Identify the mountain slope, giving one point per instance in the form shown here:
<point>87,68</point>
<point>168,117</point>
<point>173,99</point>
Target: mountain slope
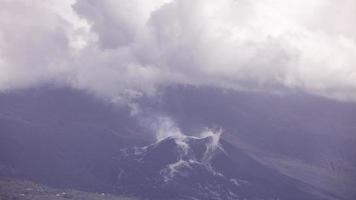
<point>63,137</point>
<point>201,168</point>
<point>306,137</point>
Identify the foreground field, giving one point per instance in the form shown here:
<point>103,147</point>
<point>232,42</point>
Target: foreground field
<point>27,190</point>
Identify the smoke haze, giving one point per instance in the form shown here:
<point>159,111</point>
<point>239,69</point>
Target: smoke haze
<point>123,49</point>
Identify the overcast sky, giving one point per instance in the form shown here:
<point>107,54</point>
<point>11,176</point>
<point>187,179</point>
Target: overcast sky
<point>121,49</point>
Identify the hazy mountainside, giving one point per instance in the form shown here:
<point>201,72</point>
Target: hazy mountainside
<point>68,138</point>
<point>63,137</point>
<point>201,168</point>
<point>309,138</point>
<point>27,190</point>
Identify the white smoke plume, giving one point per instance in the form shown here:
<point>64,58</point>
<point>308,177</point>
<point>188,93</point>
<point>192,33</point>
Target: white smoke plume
<point>123,49</point>
<point>165,127</point>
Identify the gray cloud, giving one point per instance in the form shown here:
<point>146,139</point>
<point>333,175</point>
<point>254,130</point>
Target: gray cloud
<point>123,48</point>
<point>33,43</point>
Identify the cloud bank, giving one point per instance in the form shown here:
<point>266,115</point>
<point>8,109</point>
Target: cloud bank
<point>123,49</point>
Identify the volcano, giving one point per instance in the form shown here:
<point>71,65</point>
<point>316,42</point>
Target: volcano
<point>188,167</point>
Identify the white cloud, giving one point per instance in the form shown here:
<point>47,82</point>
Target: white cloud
<point>124,48</point>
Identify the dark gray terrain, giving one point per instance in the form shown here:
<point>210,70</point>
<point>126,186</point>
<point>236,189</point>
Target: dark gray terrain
<point>309,138</point>
<point>62,137</point>
<point>295,146</point>
<point>196,168</point>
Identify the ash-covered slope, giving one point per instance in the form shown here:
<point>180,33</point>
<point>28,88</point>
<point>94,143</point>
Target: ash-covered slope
<point>201,168</point>
<point>63,137</point>
<point>305,137</point>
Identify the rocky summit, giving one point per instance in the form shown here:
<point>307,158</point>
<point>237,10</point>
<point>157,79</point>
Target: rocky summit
<point>201,168</point>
